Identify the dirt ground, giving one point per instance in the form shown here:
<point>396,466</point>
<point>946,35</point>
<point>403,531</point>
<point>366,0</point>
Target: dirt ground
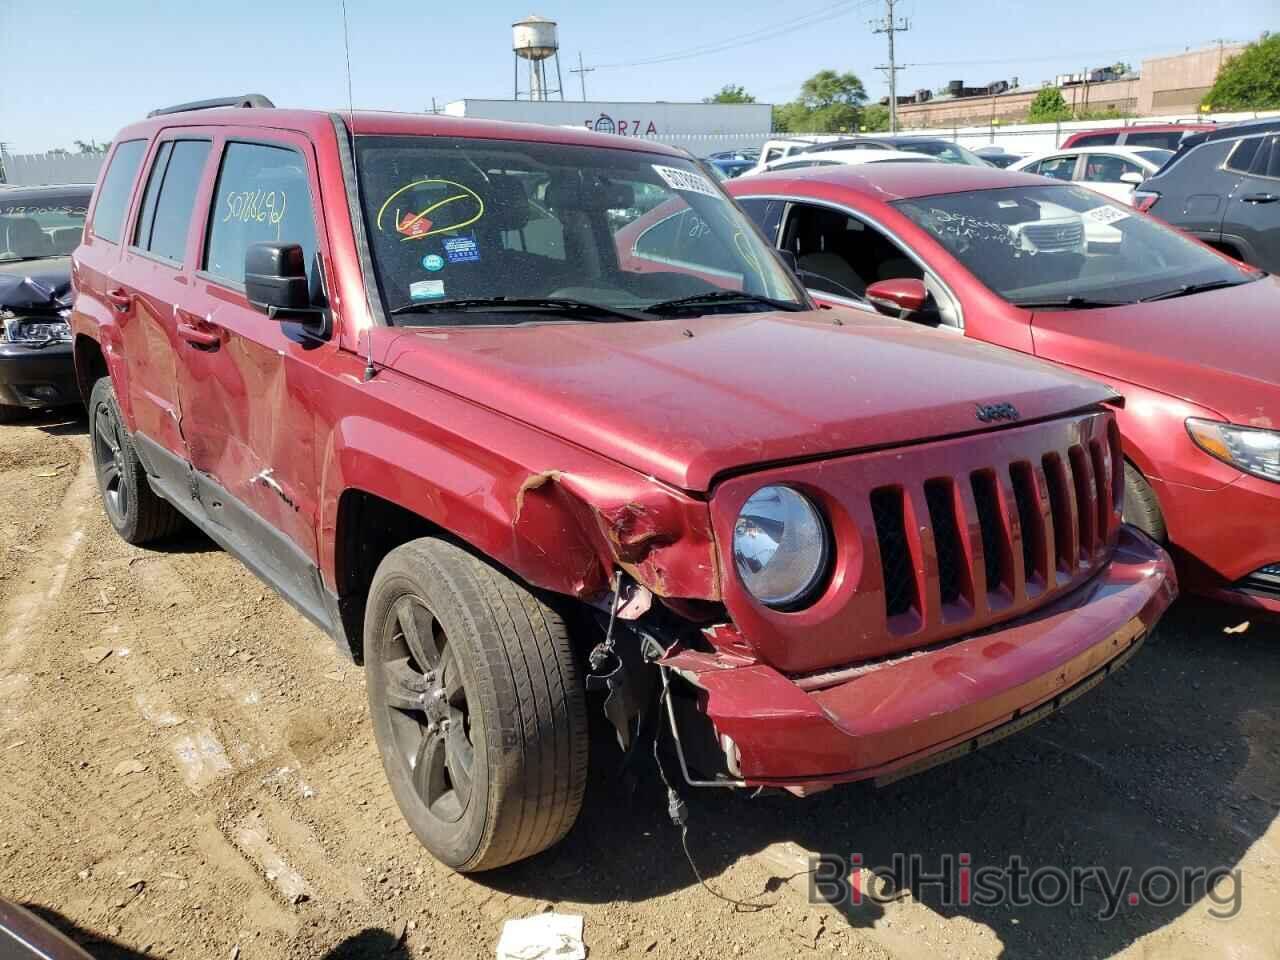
<point>187,770</point>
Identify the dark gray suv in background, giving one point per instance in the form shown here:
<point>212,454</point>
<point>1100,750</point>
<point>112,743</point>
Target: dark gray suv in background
<point>1223,186</point>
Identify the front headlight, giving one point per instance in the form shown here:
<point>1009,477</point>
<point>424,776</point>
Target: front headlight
<point>29,331</point>
<point>1250,449</point>
<point>780,546</point>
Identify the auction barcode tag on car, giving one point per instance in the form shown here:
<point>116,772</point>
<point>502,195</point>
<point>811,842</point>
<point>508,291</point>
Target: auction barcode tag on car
<point>1106,214</point>
<point>687,180</point>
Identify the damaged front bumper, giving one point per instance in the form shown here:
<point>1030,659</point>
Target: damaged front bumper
<point>37,376</point>
<point>894,717</point>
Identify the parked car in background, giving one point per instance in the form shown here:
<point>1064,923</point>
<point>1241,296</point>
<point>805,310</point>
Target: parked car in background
<point>1114,171</point>
<point>998,156</point>
<point>435,393</point>
<point>936,147</point>
<point>826,158</point>
<point>1187,335</point>
<point>39,227</point>
<point>1164,135</point>
<point>1223,186</point>
<point>731,167</point>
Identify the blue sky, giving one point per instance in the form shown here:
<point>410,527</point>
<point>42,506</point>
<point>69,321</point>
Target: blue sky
<point>71,69</point>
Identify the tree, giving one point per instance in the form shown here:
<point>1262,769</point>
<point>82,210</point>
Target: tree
<point>829,102</point>
<point>875,118</point>
<point>730,93</point>
<point>1048,107</point>
<point>1250,80</point>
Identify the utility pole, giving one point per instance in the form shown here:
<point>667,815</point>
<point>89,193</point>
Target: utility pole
<point>891,25</point>
<point>582,74</point>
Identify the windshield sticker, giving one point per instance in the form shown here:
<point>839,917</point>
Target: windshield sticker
<point>426,290</point>
<point>414,212</point>
<point>433,262</point>
<point>461,250</point>
<point>1106,214</point>
<point>686,180</point>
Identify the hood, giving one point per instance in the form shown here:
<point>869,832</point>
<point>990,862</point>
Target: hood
<point>35,284</point>
<point>1215,349</point>
<point>743,390</point>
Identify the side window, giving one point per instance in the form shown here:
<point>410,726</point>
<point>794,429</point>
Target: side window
<point>773,153</point>
<point>117,187</point>
<point>1059,168</point>
<point>171,195</point>
<point>1097,140</point>
<point>1104,168</point>
<point>262,196</point>
<point>1267,162</point>
<point>1241,158</point>
<point>766,213</point>
<point>1167,140</point>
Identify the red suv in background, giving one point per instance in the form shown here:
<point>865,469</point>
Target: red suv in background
<point>1187,335</point>
<point>1167,136</point>
<point>396,364</point>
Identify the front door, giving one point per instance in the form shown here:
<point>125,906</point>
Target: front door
<point>248,383</point>
<point>1253,213</point>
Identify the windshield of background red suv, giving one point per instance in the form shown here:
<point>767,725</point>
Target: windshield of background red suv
<point>464,220</point>
<point>35,228</point>
<point>1068,247</point>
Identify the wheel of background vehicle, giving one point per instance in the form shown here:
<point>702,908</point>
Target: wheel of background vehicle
<point>133,508</point>
<point>477,706</point>
<point>1141,508</point>
<point>10,414</point>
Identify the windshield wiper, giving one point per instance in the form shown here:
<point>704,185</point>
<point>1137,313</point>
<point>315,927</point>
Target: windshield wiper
<point>1069,303</point>
<point>544,304</point>
<point>1189,288</point>
<point>38,256</point>
<point>721,296</point>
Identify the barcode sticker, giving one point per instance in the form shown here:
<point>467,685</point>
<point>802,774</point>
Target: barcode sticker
<point>685,180</point>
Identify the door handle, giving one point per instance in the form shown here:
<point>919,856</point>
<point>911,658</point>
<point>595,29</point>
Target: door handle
<point>120,299</point>
<point>1260,198</point>
<point>197,331</point>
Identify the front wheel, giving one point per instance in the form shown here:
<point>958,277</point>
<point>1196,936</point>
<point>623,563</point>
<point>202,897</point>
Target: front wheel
<point>1141,508</point>
<point>477,706</point>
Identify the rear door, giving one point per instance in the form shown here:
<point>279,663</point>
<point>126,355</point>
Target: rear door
<point>1252,221</point>
<point>152,277</point>
<point>248,383</point>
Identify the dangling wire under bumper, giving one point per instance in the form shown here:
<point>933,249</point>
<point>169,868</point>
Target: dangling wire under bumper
<point>675,736</point>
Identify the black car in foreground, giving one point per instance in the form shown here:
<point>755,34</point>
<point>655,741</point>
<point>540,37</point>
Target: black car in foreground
<point>1223,186</point>
<point>39,228</point>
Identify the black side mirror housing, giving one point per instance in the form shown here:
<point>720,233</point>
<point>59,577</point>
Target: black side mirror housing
<point>275,280</point>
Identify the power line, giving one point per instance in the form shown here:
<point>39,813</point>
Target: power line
<point>889,25</point>
<point>752,36</point>
<point>1045,59</point>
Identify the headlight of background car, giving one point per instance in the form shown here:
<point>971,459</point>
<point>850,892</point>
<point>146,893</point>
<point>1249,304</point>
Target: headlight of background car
<point>1245,448</point>
<point>32,331</point>
<point>780,546</point>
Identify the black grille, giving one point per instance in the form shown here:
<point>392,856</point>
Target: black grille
<point>1265,581</point>
<point>1024,493</point>
<point>940,497</point>
<point>1060,507</point>
<point>887,510</point>
<point>988,505</point>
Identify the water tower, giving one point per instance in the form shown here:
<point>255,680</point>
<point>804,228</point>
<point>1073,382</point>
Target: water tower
<point>534,39</point>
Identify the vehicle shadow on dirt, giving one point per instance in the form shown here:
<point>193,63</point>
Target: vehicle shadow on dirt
<point>366,945</point>
<point>1170,763</point>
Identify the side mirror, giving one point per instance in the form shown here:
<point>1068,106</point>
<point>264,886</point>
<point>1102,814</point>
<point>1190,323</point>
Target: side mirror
<point>275,280</point>
<point>1131,177</point>
<point>900,298</point>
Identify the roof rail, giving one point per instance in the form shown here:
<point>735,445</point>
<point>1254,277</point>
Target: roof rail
<point>245,100</point>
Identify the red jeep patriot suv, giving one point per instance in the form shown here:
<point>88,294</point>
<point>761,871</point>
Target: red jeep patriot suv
<point>416,374</point>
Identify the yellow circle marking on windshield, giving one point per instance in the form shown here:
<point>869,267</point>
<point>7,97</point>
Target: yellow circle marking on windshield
<point>467,192</point>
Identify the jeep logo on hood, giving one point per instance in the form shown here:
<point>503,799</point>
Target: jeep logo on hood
<point>991,412</point>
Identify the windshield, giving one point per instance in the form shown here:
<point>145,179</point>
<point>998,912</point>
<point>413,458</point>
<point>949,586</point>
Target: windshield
<point>32,228</point>
<point>1038,244</point>
<point>468,220</point>
<point>946,152</point>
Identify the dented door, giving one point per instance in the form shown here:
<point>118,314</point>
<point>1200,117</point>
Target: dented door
<point>248,383</point>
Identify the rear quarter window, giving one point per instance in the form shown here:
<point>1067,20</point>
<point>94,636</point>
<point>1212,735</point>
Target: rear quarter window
<point>117,187</point>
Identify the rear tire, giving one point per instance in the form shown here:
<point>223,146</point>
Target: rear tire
<point>1141,508</point>
<point>477,706</point>
<point>134,509</point>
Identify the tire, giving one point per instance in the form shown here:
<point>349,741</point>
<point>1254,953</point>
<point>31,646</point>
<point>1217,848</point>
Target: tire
<point>134,509</point>
<point>481,718</point>
<point>1141,508</point>
<point>11,414</point>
